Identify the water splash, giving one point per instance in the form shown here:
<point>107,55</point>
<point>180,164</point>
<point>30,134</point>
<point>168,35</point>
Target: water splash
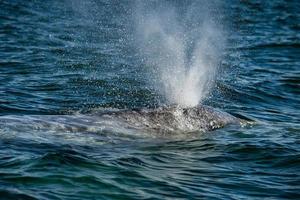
<point>181,45</point>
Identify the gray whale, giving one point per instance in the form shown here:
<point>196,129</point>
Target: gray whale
<point>162,119</point>
<point>177,118</point>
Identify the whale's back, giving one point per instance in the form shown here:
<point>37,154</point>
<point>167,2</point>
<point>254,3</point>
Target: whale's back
<point>176,118</point>
<point>159,120</point>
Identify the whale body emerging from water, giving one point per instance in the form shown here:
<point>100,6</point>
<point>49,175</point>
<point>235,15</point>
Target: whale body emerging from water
<point>176,118</point>
<point>163,119</point>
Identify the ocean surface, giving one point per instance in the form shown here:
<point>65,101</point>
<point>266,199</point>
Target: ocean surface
<point>69,58</point>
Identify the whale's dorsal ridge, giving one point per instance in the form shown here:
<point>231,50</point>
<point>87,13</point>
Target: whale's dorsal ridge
<point>179,118</point>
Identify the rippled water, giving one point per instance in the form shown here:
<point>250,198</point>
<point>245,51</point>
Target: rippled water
<point>75,57</point>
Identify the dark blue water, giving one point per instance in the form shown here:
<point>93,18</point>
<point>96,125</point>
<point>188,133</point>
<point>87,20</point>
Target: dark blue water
<point>73,57</point>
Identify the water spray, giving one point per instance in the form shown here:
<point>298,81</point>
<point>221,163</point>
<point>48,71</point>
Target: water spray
<point>181,46</point>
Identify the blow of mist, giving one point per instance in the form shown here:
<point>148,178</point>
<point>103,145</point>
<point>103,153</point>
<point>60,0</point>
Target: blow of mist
<point>181,47</point>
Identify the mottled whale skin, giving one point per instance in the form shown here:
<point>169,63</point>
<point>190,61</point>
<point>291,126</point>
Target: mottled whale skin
<point>162,119</point>
<point>177,118</point>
